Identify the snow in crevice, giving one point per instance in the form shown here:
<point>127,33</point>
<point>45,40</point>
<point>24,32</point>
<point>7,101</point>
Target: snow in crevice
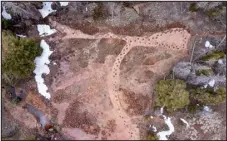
<point>44,30</point>
<point>41,67</point>
<point>47,9</point>
<point>161,110</point>
<point>64,3</point>
<point>22,36</point>
<point>205,86</point>
<point>6,15</point>
<point>208,45</point>
<point>211,82</point>
<point>163,134</point>
<point>220,61</point>
<point>154,129</point>
<point>206,109</point>
<point>184,121</point>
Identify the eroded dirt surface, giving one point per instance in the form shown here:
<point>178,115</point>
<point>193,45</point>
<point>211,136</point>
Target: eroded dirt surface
<point>102,83</point>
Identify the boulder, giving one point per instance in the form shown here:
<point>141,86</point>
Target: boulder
<point>25,10</point>
<point>182,70</point>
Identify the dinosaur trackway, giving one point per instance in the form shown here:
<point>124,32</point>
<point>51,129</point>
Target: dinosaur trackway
<point>172,40</point>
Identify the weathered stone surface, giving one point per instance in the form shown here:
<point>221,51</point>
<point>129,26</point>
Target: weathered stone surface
<point>182,70</point>
<point>25,10</point>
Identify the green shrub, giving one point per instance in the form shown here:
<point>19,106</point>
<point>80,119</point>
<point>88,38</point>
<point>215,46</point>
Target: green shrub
<point>214,12</point>
<point>98,12</point>
<point>214,56</point>
<point>193,7</point>
<point>152,137</point>
<point>171,94</point>
<point>18,56</point>
<point>5,23</point>
<point>192,108</point>
<point>204,72</point>
<point>147,117</point>
<point>207,96</point>
<point>31,137</point>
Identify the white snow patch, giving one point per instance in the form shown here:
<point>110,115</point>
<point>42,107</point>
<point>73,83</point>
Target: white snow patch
<point>6,15</point>
<point>207,109</point>
<point>184,121</point>
<point>54,63</point>
<point>151,117</point>
<point>47,9</point>
<point>164,116</point>
<point>205,86</point>
<point>208,45</point>
<point>22,36</point>
<point>220,61</point>
<point>44,30</point>
<point>162,135</point>
<point>154,128</point>
<point>161,110</point>
<point>42,68</point>
<point>64,3</point>
<point>211,83</point>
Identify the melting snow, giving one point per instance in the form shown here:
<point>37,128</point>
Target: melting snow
<point>22,36</point>
<point>220,61</point>
<point>6,15</point>
<point>207,109</point>
<point>42,68</point>
<point>64,3</point>
<point>184,121</point>
<point>47,9</point>
<point>161,110</point>
<point>44,30</point>
<point>154,128</point>
<point>208,45</point>
<point>211,83</point>
<point>205,86</point>
<point>162,135</point>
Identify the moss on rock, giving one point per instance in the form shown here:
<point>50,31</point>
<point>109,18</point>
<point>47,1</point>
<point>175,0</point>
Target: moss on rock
<point>193,7</point>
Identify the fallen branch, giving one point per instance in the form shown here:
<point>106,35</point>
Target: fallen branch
<point>222,23</point>
<point>193,48</point>
<point>221,42</point>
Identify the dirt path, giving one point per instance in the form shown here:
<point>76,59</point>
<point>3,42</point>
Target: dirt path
<point>171,40</point>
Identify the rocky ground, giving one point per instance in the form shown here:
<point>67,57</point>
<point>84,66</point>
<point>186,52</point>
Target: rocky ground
<point>106,59</point>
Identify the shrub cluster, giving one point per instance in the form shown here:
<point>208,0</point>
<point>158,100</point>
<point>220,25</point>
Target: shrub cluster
<point>18,56</point>
<point>171,94</point>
